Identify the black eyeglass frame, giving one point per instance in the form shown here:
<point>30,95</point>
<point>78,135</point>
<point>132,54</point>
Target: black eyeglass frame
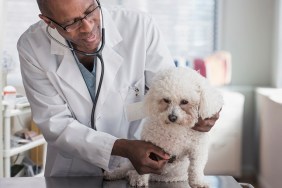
<point>80,20</point>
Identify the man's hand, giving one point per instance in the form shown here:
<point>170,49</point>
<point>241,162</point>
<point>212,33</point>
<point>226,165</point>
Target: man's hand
<point>144,156</point>
<point>205,125</point>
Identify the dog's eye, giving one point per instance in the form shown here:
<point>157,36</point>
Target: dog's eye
<point>166,100</point>
<point>183,102</point>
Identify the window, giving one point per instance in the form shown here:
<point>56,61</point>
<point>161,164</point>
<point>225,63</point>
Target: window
<point>188,26</point>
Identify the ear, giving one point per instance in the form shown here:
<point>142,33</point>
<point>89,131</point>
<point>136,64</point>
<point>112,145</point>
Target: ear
<point>47,21</point>
<point>211,101</point>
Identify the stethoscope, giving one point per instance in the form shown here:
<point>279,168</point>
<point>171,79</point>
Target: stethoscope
<point>98,54</point>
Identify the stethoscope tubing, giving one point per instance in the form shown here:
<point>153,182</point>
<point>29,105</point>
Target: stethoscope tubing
<point>99,55</point>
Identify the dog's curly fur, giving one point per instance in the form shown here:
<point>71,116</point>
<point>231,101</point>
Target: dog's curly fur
<point>175,101</point>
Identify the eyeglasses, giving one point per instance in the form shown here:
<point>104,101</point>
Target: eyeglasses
<point>76,24</point>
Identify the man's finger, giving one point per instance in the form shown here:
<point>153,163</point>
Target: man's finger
<point>156,165</point>
<point>159,153</point>
<point>204,127</point>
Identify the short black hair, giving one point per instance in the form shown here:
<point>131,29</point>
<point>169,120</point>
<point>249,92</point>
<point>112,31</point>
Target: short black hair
<point>44,8</point>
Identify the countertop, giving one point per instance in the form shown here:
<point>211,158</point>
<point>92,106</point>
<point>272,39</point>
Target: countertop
<point>98,182</point>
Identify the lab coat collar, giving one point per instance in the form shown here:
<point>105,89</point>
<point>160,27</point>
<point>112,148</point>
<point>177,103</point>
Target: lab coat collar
<point>68,66</point>
<point>57,48</point>
<point>113,36</point>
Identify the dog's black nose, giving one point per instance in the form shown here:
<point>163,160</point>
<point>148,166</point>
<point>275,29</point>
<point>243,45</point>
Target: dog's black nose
<point>172,117</point>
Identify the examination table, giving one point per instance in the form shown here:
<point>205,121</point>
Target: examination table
<point>98,182</point>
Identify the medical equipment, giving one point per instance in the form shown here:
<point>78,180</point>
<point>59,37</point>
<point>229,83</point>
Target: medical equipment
<point>9,98</point>
<point>98,54</point>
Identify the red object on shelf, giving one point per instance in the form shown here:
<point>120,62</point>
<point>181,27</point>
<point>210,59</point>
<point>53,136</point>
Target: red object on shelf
<point>199,65</point>
<point>216,68</point>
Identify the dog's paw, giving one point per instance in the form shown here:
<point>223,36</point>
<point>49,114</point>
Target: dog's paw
<point>136,180</point>
<point>199,184</point>
<point>114,175</point>
<point>108,175</point>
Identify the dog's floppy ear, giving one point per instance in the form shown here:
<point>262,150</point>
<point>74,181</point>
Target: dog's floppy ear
<point>211,101</point>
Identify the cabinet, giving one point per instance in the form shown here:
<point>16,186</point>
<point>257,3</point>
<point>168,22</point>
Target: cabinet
<point>226,137</point>
<point>269,110</point>
<point>9,151</point>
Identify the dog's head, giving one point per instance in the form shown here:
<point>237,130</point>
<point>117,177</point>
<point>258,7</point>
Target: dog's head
<point>180,96</point>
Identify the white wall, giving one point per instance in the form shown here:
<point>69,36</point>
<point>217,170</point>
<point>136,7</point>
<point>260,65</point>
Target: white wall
<point>247,29</point>
<point>277,67</point>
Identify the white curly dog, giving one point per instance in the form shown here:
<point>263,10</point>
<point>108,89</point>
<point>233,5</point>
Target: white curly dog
<point>175,101</point>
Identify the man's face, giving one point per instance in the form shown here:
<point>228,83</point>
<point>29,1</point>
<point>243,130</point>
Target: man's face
<point>88,36</point>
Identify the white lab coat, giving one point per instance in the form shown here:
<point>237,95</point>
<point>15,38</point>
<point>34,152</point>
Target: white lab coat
<point>61,104</point>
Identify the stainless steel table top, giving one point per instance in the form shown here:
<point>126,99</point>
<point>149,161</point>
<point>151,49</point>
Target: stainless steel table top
<point>98,182</point>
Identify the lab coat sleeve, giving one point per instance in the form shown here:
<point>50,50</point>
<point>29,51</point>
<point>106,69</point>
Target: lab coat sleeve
<point>54,118</point>
<point>158,56</point>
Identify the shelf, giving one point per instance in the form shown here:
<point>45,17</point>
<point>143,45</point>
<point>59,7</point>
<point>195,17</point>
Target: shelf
<point>15,112</point>
<point>25,147</point>
<point>7,151</point>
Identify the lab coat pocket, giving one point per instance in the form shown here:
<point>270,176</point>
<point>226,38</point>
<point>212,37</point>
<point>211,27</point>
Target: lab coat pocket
<point>134,92</point>
<point>133,97</point>
<point>61,166</point>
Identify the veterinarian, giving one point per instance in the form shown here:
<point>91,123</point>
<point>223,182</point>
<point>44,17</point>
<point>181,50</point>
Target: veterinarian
<point>61,69</point>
